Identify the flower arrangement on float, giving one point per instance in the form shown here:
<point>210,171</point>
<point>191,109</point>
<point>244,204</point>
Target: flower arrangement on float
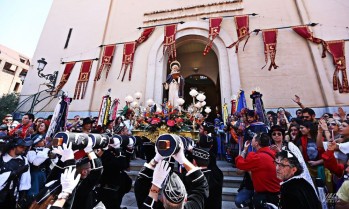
<point>154,119</point>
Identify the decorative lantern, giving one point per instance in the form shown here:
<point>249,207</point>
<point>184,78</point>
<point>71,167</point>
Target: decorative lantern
<point>198,105</point>
<point>150,102</point>
<point>208,110</point>
<point>135,104</point>
<point>138,95</point>
<point>180,102</point>
<point>201,97</point>
<point>193,92</point>
<point>128,99</point>
<point>203,103</point>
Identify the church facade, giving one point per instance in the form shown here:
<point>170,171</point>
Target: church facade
<point>75,31</point>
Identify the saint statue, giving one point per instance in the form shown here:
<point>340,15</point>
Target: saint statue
<point>174,84</point>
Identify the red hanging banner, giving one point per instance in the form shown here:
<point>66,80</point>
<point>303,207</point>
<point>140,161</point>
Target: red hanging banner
<point>170,42</point>
<point>336,49</point>
<point>242,30</point>
<point>66,74</point>
<point>305,32</point>
<point>214,29</point>
<point>81,85</point>
<point>145,35</point>
<point>127,59</point>
<point>107,58</point>
<point>270,40</point>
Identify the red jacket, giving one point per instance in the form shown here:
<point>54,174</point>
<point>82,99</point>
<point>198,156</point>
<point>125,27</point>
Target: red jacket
<point>23,132</point>
<point>330,162</point>
<point>262,168</point>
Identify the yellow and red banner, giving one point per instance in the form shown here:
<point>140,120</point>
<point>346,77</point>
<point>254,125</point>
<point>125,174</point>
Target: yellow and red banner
<point>336,49</point>
<point>84,76</point>
<point>66,74</point>
<point>214,29</point>
<point>170,41</point>
<point>242,30</point>
<point>127,58</point>
<point>270,40</point>
<point>107,58</point>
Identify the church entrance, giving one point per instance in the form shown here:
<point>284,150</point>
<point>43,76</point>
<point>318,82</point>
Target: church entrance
<point>199,71</point>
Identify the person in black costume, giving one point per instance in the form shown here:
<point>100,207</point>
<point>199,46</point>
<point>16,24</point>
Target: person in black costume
<point>201,158</point>
<point>114,183</point>
<point>295,191</point>
<point>14,174</point>
<point>156,174</point>
<point>207,142</point>
<point>90,169</point>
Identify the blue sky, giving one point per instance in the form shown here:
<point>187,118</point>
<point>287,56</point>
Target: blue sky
<point>21,23</point>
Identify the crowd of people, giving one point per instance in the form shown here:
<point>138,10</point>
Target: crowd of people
<point>287,162</point>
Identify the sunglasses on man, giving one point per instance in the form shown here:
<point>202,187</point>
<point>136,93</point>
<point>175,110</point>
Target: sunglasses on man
<point>276,134</point>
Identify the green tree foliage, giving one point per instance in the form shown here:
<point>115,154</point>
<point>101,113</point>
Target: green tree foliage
<point>8,103</point>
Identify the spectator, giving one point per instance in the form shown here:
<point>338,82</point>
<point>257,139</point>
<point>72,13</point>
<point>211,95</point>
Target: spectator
<point>261,165</point>
<point>3,130</point>
<point>254,126</point>
<point>308,114</point>
<point>278,135</point>
<point>37,123</point>
<point>75,126</point>
<point>293,134</point>
<point>343,193</point>
<point>299,113</point>
<point>309,149</point>
<point>25,128</point>
<point>87,125</point>
<point>295,192</point>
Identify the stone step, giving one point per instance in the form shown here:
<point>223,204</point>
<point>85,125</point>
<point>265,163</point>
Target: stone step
<point>129,201</point>
<point>229,194</point>
<point>232,181</point>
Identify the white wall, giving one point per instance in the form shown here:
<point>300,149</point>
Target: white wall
<point>301,70</point>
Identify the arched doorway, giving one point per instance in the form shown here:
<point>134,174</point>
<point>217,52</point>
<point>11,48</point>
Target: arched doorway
<point>157,66</point>
<point>199,71</point>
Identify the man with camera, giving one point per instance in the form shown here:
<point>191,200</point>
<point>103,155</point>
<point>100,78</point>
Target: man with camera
<point>156,175</point>
<point>263,172</point>
<point>14,174</point>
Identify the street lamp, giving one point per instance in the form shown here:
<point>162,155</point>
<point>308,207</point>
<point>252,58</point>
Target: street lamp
<point>22,77</point>
<point>50,77</point>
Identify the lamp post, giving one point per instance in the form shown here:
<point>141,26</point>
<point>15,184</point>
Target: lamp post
<point>50,77</point>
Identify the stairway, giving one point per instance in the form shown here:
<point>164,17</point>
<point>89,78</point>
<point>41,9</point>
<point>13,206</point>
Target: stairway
<point>230,185</point>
